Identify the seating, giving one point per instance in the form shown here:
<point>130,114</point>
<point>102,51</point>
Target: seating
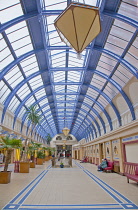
<point>85,160</point>
<point>110,166</point>
<point>133,177</point>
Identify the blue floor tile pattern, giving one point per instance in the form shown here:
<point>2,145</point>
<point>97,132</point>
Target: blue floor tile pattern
<point>122,201</point>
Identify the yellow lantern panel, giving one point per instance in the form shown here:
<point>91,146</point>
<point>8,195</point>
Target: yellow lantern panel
<point>78,25</point>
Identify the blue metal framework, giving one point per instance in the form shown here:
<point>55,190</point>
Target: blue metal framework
<point>39,69</point>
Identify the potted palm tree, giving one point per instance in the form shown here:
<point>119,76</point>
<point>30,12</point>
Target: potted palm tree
<point>53,149</point>
<point>48,138</point>
<point>9,144</point>
<point>33,147</point>
<point>47,153</point>
<point>34,118</point>
<point>40,157</point>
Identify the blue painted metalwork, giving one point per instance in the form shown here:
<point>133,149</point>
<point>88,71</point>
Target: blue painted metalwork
<point>120,17</point>
<point>35,74</point>
<point>41,44</point>
<point>11,95</point>
<point>98,127</point>
<point>80,115</point>
<point>22,83</point>
<point>57,12</point>
<point>132,69</point>
<point>18,60</point>
<point>129,66</point>
<point>82,126</point>
<point>96,89</point>
<point>21,104</point>
<point>15,57</point>
<point>17,20</point>
<point>120,90</point>
<point>91,130</point>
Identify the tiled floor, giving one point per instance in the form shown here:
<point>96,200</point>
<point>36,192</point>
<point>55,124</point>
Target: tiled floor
<point>79,187</point>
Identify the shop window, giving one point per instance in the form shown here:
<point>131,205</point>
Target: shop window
<point>69,138</point>
<point>58,138</point>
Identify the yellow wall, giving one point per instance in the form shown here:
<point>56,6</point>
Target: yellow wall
<point>112,146</point>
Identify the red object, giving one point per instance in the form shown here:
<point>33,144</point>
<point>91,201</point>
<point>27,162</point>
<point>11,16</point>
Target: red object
<point>136,171</point>
<point>85,160</point>
<point>110,166</point>
<point>16,166</point>
<point>132,177</point>
<point>131,171</point>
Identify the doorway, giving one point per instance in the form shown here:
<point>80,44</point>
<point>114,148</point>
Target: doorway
<point>75,154</point>
<point>101,152</point>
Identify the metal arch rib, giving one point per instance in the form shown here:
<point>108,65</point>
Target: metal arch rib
<point>27,97</point>
<point>132,69</point>
<point>120,90</point>
<point>96,89</point>
<point>120,17</point>
<point>83,129</point>
<point>19,107</point>
<point>30,15</point>
<point>98,127</point>
<point>29,78</point>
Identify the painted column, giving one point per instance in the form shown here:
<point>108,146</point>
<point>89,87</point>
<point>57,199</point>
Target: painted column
<point>110,149</point>
<point>104,150</point>
<point>120,152</point>
<point>81,153</point>
<point>94,154</point>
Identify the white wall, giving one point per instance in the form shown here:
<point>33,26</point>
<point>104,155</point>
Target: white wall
<point>132,152</point>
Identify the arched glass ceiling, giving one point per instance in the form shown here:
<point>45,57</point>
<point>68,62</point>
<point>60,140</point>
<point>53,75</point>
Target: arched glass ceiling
<point>37,68</point>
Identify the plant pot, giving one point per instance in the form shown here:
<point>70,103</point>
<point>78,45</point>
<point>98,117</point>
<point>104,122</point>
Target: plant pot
<point>39,161</point>
<point>61,166</point>
<point>5,177</point>
<point>32,164</point>
<point>46,158</point>
<point>24,167</point>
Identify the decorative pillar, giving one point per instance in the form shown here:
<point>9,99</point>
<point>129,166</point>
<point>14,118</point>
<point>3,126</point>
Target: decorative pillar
<point>104,150</point>
<point>121,156</point>
<point>81,153</point>
<point>110,149</point>
<point>94,154</point>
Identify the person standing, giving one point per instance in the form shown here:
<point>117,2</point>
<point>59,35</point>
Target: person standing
<point>59,156</point>
<point>1,157</point>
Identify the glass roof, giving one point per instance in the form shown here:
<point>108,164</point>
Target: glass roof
<point>38,68</point>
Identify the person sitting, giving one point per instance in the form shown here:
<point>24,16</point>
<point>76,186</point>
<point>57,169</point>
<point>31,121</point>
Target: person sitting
<point>102,165</point>
<point>84,160</point>
<point>59,156</point>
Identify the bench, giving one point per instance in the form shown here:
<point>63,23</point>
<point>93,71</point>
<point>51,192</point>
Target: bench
<point>110,166</point>
<point>131,171</point>
<point>85,160</point>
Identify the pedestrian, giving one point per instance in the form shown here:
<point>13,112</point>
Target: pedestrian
<point>1,157</point>
<point>59,156</point>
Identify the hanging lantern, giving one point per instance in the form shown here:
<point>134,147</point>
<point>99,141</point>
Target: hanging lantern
<point>78,25</point>
<point>65,131</point>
